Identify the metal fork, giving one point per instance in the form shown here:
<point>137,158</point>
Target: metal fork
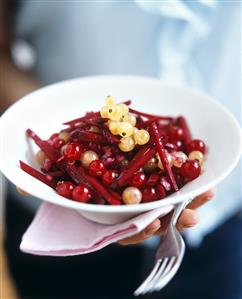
<point>168,256</point>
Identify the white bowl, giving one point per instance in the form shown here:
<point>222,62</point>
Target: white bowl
<point>46,109</point>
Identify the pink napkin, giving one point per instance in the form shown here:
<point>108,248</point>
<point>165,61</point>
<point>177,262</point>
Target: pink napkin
<point>58,231</point>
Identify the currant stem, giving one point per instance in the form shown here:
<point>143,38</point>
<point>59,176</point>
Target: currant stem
<point>148,115</point>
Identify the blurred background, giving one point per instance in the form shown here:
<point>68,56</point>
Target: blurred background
<point>193,43</point>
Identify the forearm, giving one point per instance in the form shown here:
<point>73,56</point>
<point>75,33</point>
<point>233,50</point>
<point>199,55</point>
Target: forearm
<point>14,82</point>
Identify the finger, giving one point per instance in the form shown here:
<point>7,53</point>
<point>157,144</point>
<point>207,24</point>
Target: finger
<point>22,192</point>
<point>188,218</point>
<point>142,236</point>
<point>202,199</point>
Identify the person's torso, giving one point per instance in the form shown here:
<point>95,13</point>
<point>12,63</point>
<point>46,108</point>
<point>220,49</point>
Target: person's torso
<point>84,38</point>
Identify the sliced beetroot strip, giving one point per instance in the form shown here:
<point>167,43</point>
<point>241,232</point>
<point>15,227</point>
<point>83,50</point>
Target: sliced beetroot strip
<point>153,179</point>
<point>77,177</point>
<point>141,152</point>
<point>128,102</point>
<point>89,116</point>
<point>181,121</point>
<point>146,123</point>
<point>105,137</point>
<point>36,174</point>
<point>96,121</point>
<point>116,195</point>
<point>161,151</point>
<point>148,115</point>
<point>163,130</point>
<point>144,155</point>
<point>80,176</point>
<point>56,173</point>
<point>68,130</point>
<point>99,188</point>
<point>74,173</point>
<point>50,152</point>
<point>110,137</point>
<point>85,136</point>
<point>139,122</point>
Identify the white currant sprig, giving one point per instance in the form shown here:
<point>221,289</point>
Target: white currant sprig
<point>121,122</point>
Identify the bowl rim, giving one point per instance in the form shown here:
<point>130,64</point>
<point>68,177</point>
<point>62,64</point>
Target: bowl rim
<point>170,199</point>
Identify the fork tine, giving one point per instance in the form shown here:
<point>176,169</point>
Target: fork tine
<point>166,271</point>
<point>149,282</point>
<point>168,257</point>
<point>140,289</point>
<point>166,277</point>
<point>163,265</point>
<point>169,266</point>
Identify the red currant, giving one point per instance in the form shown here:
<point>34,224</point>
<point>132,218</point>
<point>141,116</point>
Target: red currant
<point>191,169</point>
<point>196,145</point>
<point>178,145</point>
<point>138,180</point>
<point>72,152</point>
<point>174,145</point>
<point>96,168</point>
<point>153,179</point>
<point>65,189</point>
<point>160,191</point>
<point>176,133</point>
<point>58,143</point>
<point>149,194</point>
<point>81,194</point>
<point>109,177</point>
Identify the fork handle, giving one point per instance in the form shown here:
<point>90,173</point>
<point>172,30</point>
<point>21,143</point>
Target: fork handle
<point>178,210</point>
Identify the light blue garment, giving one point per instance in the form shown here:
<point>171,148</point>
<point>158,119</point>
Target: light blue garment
<point>194,43</point>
